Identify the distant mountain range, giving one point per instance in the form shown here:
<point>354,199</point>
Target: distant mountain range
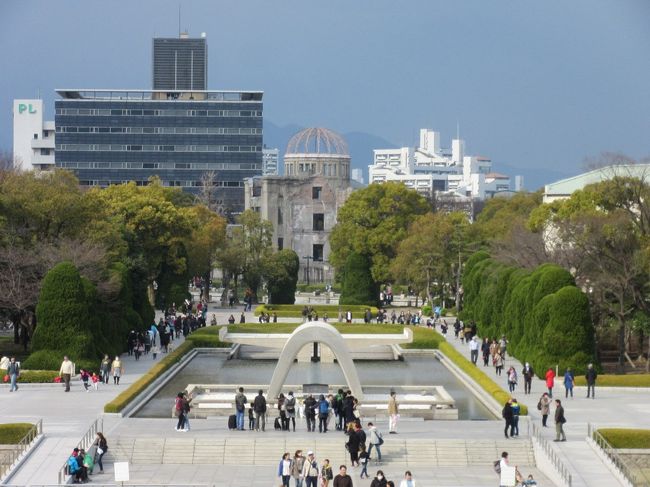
<point>361,145</point>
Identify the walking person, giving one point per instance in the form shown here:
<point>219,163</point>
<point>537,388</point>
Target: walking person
<point>354,440</point>
<point>310,470</point>
<point>590,377</point>
<point>66,372</point>
<point>506,413</point>
<point>326,473</point>
<point>375,440</point>
<point>284,469</point>
<point>13,371</point>
<point>117,369</point>
<point>323,413</point>
<point>296,468</point>
<point>544,406</point>
<point>342,479</point>
<point>290,406</point>
<point>179,412</point>
<point>259,406</point>
<point>559,421</point>
<point>379,480</point>
<point>393,412</point>
<point>527,373</point>
<point>512,379</point>
<point>284,422</point>
<point>240,407</point>
<point>364,459</point>
<point>498,362</point>
<point>473,349</point>
<point>569,382</point>
<point>485,350</point>
<point>550,381</point>
<point>102,448</point>
<point>408,480</point>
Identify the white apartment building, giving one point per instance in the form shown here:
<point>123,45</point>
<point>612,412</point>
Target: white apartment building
<point>270,161</point>
<point>33,138</point>
<point>428,168</point>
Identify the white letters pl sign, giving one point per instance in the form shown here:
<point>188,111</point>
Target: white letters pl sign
<point>121,471</point>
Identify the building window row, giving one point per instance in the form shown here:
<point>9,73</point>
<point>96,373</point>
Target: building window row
<point>160,130</point>
<point>167,112</point>
<point>158,148</point>
<point>160,165</point>
<point>185,183</point>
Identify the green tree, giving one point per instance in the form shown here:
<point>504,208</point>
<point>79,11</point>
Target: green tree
<point>253,237</point>
<point>63,314</point>
<point>372,222</point>
<point>281,276</point>
<point>358,284</point>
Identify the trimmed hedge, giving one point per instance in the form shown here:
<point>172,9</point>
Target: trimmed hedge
<point>544,316</point>
<point>491,387</point>
<point>204,337</point>
<point>610,380</point>
<point>12,433</point>
<point>332,310</point>
<point>34,376</point>
<point>358,285</point>
<point>626,438</point>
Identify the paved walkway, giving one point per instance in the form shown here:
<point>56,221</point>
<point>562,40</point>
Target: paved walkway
<point>614,408</point>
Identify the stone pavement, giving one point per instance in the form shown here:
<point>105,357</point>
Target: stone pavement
<point>611,408</point>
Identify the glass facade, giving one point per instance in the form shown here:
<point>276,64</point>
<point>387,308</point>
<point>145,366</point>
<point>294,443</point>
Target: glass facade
<point>180,64</point>
<point>111,140</point>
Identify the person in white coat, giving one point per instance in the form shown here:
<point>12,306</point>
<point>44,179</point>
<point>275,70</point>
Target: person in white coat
<point>408,480</point>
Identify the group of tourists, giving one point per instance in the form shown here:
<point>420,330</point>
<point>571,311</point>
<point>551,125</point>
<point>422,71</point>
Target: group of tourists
<point>81,464</point>
<point>107,368</point>
<point>309,472</point>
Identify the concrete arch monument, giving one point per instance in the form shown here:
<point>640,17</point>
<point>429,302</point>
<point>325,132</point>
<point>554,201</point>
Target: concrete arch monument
<point>315,331</point>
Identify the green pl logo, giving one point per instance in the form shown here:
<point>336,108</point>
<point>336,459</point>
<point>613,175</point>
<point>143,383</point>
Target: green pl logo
<point>26,107</point>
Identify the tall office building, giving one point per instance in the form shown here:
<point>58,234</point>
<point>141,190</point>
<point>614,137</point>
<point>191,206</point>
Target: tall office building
<point>33,137</point>
<point>114,136</point>
<point>180,63</point>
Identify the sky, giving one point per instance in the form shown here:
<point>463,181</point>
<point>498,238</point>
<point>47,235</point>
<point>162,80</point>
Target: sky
<point>530,84</point>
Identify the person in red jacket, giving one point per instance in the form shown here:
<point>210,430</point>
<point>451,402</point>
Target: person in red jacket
<point>550,381</point>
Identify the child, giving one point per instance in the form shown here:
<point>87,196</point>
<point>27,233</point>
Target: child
<point>363,459</point>
<point>95,380</point>
<point>84,377</point>
<point>251,418</point>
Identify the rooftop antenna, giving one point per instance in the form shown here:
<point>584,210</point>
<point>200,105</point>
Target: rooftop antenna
<point>179,20</point>
<point>457,130</point>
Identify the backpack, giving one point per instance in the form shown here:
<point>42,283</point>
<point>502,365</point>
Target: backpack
<point>539,405</point>
<point>497,467</point>
<point>323,407</point>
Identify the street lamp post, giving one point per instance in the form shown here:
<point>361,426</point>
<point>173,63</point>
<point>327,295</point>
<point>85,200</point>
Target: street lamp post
<point>308,258</point>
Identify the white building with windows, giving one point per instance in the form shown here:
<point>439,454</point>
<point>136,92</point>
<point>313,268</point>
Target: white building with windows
<point>270,161</point>
<point>33,137</point>
<point>429,168</point>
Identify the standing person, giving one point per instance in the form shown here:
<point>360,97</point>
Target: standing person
<point>179,411</point>
<point>591,376</point>
<point>326,473</point>
<point>527,373</point>
<point>240,407</point>
<point>544,407</point>
<point>66,371</point>
<point>503,346</point>
<point>342,479</point>
<point>105,369</point>
<point>296,468</point>
<point>284,469</point>
<point>117,369</point>
<point>485,350</point>
<point>310,413</point>
<point>102,448</point>
<point>569,382</point>
<point>512,379</point>
<point>550,381</point>
<point>339,410</point>
<point>242,317</point>
<point>348,316</point>
<point>284,423</point>
<point>354,440</point>
<point>290,406</point>
<point>323,413</point>
<point>507,416</point>
<point>310,470</point>
<point>379,480</point>
<point>514,429</point>
<point>408,480</point>
<point>473,350</point>
<point>375,440</point>
<point>13,371</point>
<point>393,412</point>
<point>559,421</point>
<point>259,406</point>
<point>187,407</point>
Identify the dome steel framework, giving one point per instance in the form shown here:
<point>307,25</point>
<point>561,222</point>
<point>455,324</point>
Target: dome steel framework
<point>318,141</point>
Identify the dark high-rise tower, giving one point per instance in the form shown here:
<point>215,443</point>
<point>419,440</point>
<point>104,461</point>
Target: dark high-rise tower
<point>180,63</point>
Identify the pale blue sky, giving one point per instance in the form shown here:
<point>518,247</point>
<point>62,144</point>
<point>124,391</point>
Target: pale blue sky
<point>532,84</point>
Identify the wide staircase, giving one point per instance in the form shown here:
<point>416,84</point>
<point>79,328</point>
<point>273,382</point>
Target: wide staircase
<point>268,451</point>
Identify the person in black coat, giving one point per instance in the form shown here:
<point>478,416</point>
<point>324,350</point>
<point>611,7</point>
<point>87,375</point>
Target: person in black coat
<point>353,447</point>
<point>507,416</point>
<point>310,413</point>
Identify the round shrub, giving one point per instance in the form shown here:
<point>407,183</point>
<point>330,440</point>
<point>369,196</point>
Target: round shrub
<point>44,360</point>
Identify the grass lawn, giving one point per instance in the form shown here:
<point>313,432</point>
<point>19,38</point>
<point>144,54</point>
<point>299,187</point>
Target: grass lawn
<point>612,380</point>
<point>626,438</point>
<point>12,433</point>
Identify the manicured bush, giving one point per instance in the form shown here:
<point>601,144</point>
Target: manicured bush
<point>358,284</point>
<point>34,376</point>
<point>12,433</point>
<point>609,380</point>
<point>281,276</point>
<point>63,314</point>
<point>43,360</point>
<point>627,438</point>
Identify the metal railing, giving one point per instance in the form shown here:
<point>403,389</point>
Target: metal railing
<point>555,459</point>
<point>635,475</point>
<point>86,442</point>
<point>9,458</point>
